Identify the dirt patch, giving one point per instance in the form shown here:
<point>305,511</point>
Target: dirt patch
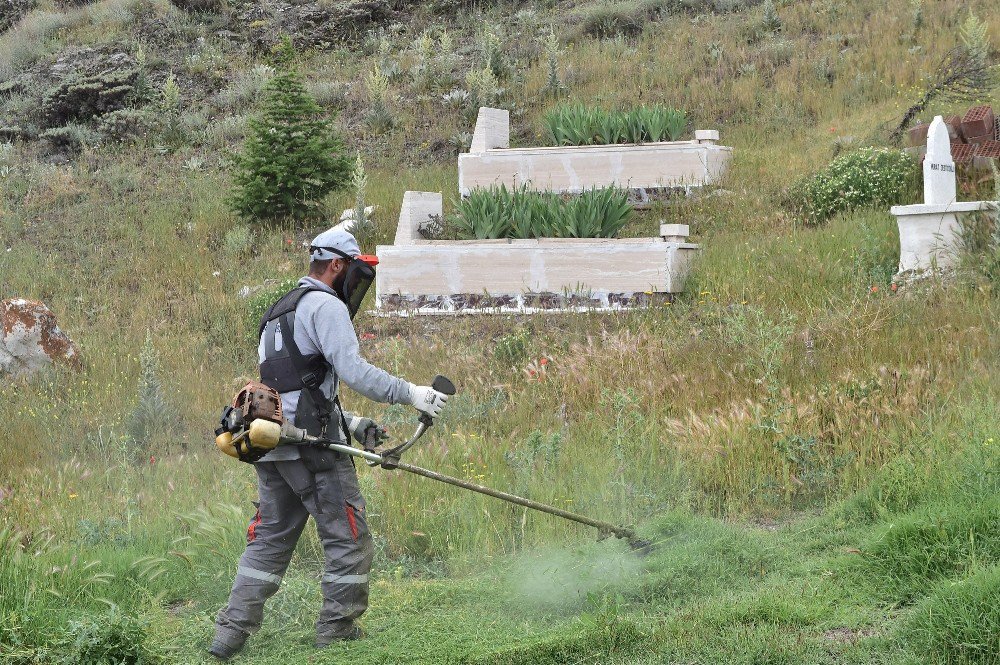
<point>848,635</point>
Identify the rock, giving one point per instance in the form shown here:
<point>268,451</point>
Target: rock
<point>12,11</point>
<point>30,339</point>
<point>90,84</point>
<point>348,214</point>
<point>313,24</point>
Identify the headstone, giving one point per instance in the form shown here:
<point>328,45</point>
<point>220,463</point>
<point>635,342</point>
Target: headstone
<point>492,130</point>
<point>418,208</point>
<point>30,339</point>
<point>939,168</point>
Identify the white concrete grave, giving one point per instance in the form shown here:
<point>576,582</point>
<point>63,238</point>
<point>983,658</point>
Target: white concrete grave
<point>572,169</point>
<point>418,276</point>
<point>929,232</point>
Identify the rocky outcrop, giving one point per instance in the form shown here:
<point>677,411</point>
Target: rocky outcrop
<point>90,84</point>
<point>314,24</point>
<point>30,339</point>
<point>11,11</point>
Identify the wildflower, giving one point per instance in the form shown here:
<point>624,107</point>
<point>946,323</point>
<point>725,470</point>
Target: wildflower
<point>874,289</point>
<point>894,287</point>
<point>73,495</point>
<point>367,336</point>
<point>152,460</point>
<point>543,362</point>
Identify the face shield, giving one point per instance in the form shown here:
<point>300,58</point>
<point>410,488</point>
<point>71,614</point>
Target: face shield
<point>356,279</point>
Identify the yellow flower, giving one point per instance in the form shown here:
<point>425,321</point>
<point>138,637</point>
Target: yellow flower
<point>72,495</point>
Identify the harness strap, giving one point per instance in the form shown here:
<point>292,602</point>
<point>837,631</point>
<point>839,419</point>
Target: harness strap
<point>310,382</point>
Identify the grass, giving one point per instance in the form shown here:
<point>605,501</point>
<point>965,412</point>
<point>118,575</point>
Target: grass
<point>812,451</point>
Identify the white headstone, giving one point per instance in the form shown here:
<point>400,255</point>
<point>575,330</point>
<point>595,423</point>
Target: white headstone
<point>939,168</point>
<point>418,208</point>
<point>492,130</point>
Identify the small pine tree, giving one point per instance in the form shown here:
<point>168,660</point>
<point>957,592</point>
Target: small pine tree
<point>292,157</point>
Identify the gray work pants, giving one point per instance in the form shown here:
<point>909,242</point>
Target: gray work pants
<point>289,493</point>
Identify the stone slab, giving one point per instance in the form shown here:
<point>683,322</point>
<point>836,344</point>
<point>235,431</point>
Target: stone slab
<point>418,208</point>
<point>929,234</point>
<point>514,268</point>
<point>574,169</point>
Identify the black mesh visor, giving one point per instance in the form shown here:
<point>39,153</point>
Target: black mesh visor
<point>357,279</point>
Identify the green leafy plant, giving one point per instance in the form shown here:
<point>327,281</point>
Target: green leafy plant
<point>498,212</point>
<point>292,157</point>
<point>576,124</point>
<point>259,302</point>
<point>867,177</point>
<point>115,637</point>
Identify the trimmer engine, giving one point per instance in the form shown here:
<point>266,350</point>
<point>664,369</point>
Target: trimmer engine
<point>253,401</point>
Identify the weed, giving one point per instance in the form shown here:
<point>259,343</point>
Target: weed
<point>512,348</point>
<point>553,82</point>
<point>151,414</point>
<point>378,118</point>
<point>112,638</point>
<point>770,21</point>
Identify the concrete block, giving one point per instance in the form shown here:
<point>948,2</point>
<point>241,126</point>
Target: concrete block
<point>418,208</point>
<point>492,130</point>
<point>710,136</point>
<point>929,234</point>
<point>572,169</point>
<point>599,273</point>
<point>674,232</point>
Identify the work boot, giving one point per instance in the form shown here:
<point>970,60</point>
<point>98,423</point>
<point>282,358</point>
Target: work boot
<point>339,631</point>
<point>224,649</point>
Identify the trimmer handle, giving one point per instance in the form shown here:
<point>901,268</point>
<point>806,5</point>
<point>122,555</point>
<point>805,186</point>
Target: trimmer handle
<point>443,384</point>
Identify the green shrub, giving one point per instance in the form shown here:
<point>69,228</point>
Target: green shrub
<point>576,124</point>
<point>292,157</point>
<point>877,177</point>
<point>112,639</point>
<point>259,302</point>
<point>960,621</point>
<point>497,212</point>
<point>622,17</point>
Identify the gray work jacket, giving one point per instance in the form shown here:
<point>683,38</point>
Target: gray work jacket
<point>323,325</point>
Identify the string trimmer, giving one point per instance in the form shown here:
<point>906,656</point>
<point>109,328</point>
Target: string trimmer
<point>254,424</point>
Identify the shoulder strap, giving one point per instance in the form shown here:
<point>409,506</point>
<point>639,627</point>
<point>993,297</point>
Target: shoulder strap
<point>311,381</point>
<point>283,305</point>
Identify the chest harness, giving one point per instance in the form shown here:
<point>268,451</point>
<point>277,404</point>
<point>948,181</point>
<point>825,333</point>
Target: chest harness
<point>286,369</point>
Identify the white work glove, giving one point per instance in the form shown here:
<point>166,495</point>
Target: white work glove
<point>427,400</point>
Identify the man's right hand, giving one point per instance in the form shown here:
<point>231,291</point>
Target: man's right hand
<point>427,400</point>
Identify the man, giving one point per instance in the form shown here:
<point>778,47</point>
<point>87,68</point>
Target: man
<point>306,368</point>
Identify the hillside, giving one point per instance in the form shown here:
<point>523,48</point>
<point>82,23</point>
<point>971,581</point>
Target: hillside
<point>812,449</point>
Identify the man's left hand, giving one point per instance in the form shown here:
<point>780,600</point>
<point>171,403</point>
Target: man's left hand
<point>367,432</point>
